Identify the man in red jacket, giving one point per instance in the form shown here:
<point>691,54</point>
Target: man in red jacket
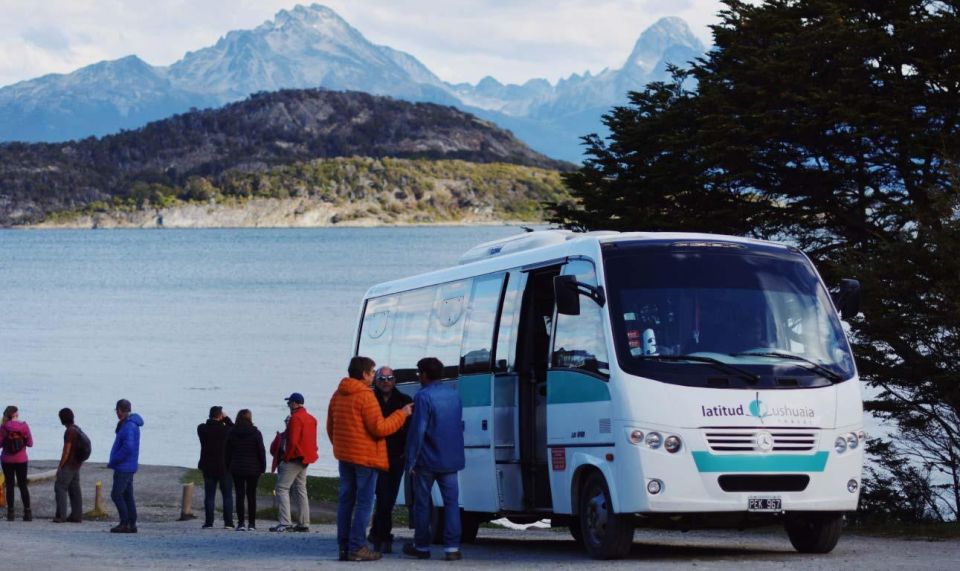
<point>300,452</point>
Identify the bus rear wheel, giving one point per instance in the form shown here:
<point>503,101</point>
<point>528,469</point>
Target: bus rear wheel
<point>814,532</point>
<point>605,534</point>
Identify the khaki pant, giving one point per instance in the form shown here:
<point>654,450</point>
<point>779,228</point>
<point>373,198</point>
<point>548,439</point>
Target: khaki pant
<point>292,475</point>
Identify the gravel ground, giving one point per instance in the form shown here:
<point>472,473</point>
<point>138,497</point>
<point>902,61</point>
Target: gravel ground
<point>164,543</point>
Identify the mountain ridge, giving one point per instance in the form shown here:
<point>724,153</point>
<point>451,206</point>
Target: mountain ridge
<point>312,46</point>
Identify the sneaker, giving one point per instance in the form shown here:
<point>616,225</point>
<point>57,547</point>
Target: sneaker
<point>129,529</point>
<point>251,528</point>
<point>452,555</point>
<point>229,526</point>
<point>207,526</point>
<point>281,528</point>
<point>240,527</point>
<point>301,528</point>
<point>411,550</point>
<point>58,519</point>
<point>72,519</point>
<point>119,528</point>
<point>364,554</point>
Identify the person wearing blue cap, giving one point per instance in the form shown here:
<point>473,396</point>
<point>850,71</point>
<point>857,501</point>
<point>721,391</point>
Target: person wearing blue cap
<point>300,450</point>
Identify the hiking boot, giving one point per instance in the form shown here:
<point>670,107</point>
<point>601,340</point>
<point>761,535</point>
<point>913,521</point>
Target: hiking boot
<point>119,528</point>
<point>411,550</point>
<point>27,514</point>
<point>281,528</point>
<point>452,555</point>
<point>364,554</point>
<point>130,529</point>
<point>10,513</point>
<point>58,519</point>
<point>301,528</point>
<point>72,519</point>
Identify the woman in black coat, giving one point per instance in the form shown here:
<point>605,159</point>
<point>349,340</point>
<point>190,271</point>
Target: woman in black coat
<point>246,459</point>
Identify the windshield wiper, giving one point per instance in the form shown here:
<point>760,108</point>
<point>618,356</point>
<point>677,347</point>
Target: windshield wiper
<point>717,363</point>
<point>834,377</point>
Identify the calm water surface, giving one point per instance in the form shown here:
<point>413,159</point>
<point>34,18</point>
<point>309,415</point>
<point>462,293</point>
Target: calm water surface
<point>179,320</point>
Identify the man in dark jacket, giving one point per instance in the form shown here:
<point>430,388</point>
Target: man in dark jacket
<point>388,483</point>
<point>68,473</point>
<point>435,454</point>
<point>124,461</point>
<point>213,439</point>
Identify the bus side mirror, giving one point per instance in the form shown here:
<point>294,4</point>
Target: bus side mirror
<point>847,298</point>
<point>567,294</point>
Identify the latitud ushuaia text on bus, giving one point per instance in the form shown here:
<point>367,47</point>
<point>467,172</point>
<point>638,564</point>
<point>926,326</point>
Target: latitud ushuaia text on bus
<point>619,381</point>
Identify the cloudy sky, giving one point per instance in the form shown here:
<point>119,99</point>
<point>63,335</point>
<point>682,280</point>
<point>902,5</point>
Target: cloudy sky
<point>459,40</point>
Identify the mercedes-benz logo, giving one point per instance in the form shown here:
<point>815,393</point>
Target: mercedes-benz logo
<point>764,441</point>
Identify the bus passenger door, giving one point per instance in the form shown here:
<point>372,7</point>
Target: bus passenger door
<point>478,492</point>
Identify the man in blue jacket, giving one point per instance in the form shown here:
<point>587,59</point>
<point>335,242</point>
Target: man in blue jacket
<point>123,460</point>
<point>435,454</point>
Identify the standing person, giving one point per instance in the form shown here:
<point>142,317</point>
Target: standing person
<point>357,429</point>
<point>213,440</point>
<point>68,472</point>
<point>15,438</point>
<point>246,459</point>
<point>435,454</point>
<point>388,481</point>
<point>300,451</point>
<point>124,461</point>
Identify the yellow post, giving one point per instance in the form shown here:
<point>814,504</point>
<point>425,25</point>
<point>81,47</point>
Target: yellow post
<point>3,492</point>
<point>98,510</point>
<point>186,504</point>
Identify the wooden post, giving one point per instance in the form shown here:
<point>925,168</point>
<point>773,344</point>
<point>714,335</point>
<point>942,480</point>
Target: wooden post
<point>98,511</point>
<point>186,504</point>
<point>3,492</point>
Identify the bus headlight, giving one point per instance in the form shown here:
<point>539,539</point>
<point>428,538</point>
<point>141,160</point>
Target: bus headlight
<point>852,441</point>
<point>840,445</point>
<point>672,444</point>
<point>654,487</point>
<point>852,486</point>
<point>654,440</point>
<point>635,437</point>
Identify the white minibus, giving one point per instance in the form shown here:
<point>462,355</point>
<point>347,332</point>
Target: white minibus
<point>614,381</point>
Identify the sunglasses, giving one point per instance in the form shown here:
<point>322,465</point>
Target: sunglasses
<point>386,378</point>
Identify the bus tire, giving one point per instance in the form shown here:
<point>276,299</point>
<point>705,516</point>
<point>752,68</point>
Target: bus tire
<point>605,534</point>
<point>575,530</point>
<point>814,532</point>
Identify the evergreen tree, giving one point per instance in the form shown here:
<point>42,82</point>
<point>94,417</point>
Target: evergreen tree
<point>832,124</point>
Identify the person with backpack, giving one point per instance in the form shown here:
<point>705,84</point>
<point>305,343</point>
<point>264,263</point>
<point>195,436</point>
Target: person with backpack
<point>246,460</point>
<point>76,450</point>
<point>15,438</point>
<point>124,461</point>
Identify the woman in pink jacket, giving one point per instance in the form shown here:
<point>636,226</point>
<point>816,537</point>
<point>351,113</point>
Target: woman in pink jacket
<point>15,438</point>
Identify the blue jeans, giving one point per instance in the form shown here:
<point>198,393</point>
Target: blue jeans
<point>450,492</point>
<point>355,504</point>
<point>210,484</point>
<point>122,496</point>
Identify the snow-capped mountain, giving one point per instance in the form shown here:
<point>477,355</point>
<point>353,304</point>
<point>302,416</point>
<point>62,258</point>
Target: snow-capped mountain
<point>311,46</point>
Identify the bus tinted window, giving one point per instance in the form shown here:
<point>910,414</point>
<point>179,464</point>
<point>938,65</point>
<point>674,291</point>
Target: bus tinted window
<point>446,326</point>
<point>509,317</point>
<point>376,332</point>
<point>411,322</point>
<point>579,341</point>
<point>476,355</point>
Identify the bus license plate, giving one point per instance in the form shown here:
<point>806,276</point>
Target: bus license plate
<point>764,504</point>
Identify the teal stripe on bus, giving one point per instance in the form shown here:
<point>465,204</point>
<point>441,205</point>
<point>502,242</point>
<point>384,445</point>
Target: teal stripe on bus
<point>475,390</point>
<point>566,387</point>
<point>707,462</point>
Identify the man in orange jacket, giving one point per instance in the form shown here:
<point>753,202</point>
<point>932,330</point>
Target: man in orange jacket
<point>358,431</point>
<point>300,451</point>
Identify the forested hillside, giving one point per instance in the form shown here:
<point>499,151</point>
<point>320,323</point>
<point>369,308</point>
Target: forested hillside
<point>253,136</point>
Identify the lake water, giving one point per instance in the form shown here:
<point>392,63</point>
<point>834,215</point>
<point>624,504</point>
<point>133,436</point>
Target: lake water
<point>179,320</point>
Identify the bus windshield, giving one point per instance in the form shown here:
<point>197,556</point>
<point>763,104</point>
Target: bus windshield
<point>755,309</point>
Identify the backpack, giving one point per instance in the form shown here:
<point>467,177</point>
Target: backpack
<point>14,442</point>
<point>84,447</point>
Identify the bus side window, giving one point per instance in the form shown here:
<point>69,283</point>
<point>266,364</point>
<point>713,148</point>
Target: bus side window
<point>476,353</point>
<point>377,328</point>
<point>579,342</point>
<point>446,326</point>
<point>411,323</point>
<point>506,352</point>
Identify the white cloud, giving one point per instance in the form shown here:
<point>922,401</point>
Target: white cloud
<point>460,40</point>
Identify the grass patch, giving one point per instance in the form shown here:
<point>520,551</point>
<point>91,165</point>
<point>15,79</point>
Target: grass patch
<point>908,531</point>
<point>319,488</point>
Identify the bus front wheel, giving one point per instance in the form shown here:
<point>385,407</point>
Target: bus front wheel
<point>605,534</point>
<point>814,532</point>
